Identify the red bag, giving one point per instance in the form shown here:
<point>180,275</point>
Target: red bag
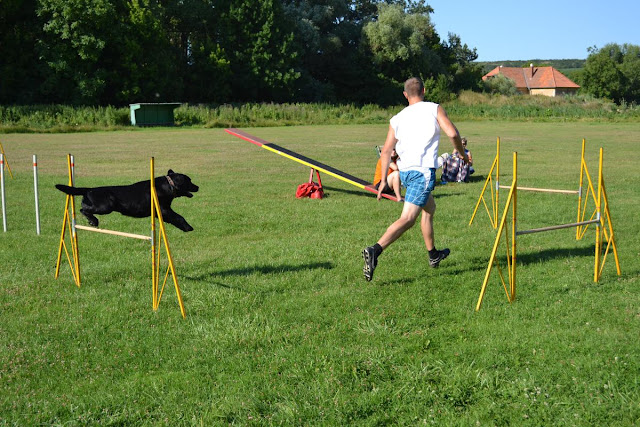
<point>318,193</point>
<point>309,189</point>
<point>305,190</point>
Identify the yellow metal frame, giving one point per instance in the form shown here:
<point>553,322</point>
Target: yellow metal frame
<point>493,215</point>
<point>158,239</point>
<point>511,254</point>
<point>601,218</point>
<point>6,161</point>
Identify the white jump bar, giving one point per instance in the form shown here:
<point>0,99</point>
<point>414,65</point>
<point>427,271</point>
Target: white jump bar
<point>117,233</point>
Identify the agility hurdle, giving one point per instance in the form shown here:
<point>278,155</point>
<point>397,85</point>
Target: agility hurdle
<point>604,229</point>
<point>157,238</point>
<point>3,161</point>
<point>493,214</point>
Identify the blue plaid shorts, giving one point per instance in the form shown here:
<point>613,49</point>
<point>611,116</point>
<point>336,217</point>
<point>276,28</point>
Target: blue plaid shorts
<point>419,186</point>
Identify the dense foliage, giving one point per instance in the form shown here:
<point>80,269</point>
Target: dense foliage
<point>613,72</point>
<point>468,105</point>
<point>115,52</point>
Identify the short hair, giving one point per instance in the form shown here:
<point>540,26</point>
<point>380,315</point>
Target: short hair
<point>414,87</point>
<point>464,140</point>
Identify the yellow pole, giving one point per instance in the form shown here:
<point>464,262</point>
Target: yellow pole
<point>599,224</point>
<point>612,238</point>
<point>513,226</point>
<point>163,236</point>
<point>481,198</point>
<point>65,218</point>
<point>154,273</point>
<point>579,228</point>
<point>495,248</point>
<point>495,208</point>
<point>75,250</point>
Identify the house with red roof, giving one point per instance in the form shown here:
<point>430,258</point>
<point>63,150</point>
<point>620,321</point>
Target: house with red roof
<point>532,80</point>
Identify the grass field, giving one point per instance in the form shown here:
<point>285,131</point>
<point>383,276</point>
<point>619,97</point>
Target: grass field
<point>281,327</point>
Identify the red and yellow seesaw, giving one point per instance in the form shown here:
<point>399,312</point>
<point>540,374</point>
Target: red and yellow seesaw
<point>314,165</point>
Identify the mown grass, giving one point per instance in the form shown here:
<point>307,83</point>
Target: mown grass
<point>467,106</point>
<point>281,327</point>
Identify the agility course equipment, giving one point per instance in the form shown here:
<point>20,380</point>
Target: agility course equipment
<point>314,165</point>
<point>157,239</point>
<point>6,161</point>
<point>495,187</point>
<point>601,217</point>
<point>2,194</point>
<point>35,192</point>
<point>3,160</point>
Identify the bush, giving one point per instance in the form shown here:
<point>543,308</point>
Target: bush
<point>501,85</point>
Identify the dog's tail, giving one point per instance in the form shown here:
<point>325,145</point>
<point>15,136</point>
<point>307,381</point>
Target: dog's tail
<point>72,191</point>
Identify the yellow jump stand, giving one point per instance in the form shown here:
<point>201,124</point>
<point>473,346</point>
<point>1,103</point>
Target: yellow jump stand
<point>493,213</point>
<point>601,218</point>
<point>158,239</point>
<point>488,183</point>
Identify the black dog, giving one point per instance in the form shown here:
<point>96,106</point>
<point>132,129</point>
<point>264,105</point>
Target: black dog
<point>135,200</point>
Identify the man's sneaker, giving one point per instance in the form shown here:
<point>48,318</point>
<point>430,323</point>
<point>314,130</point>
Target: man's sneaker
<point>370,262</point>
<point>434,262</point>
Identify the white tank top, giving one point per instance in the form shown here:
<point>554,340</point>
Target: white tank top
<point>418,134</point>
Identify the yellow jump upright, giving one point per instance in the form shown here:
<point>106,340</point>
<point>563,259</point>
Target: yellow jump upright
<point>158,238</point>
<point>601,218</point>
<point>493,214</point>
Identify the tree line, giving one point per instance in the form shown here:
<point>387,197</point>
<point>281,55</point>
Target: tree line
<point>115,52</point>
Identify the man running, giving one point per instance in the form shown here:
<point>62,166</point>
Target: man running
<point>415,135</point>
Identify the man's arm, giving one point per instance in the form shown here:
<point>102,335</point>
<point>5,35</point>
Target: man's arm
<point>452,132</point>
<point>385,158</point>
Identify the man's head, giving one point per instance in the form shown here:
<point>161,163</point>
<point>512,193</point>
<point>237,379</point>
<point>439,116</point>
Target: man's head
<point>413,88</point>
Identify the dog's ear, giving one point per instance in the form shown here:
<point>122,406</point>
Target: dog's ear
<point>170,172</point>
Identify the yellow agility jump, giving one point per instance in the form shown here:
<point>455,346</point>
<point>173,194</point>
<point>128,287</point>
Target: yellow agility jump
<point>493,212</point>
<point>601,217</point>
<point>157,238</point>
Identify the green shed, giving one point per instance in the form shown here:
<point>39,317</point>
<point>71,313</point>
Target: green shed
<point>153,114</point>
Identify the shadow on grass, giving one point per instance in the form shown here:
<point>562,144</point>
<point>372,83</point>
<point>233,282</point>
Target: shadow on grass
<point>262,269</point>
<point>548,254</point>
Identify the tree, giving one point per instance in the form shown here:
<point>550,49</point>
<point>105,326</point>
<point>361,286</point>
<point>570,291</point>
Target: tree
<point>76,33</point>
<point>613,72</point>
<point>404,44</point>
<point>328,36</point>
<point>466,74</point>
<point>20,72</point>
<point>142,57</point>
<point>262,55</point>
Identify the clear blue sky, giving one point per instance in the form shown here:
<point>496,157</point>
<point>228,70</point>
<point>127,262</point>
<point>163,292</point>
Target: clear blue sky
<point>537,29</point>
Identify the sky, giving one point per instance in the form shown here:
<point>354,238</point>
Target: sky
<point>503,30</point>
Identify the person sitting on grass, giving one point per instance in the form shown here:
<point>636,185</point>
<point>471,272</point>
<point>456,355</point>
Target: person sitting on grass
<point>455,169</point>
<point>392,185</point>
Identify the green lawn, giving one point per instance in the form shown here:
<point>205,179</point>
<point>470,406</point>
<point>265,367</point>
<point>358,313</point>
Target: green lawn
<point>281,326</point>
